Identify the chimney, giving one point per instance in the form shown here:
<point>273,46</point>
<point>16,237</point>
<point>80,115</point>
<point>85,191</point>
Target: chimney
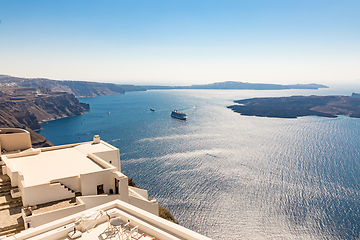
<point>96,139</point>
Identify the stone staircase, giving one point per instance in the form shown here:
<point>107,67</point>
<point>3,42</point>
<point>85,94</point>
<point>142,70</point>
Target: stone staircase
<point>62,186</point>
<point>11,230</point>
<point>11,221</point>
<point>67,188</point>
<point>5,185</point>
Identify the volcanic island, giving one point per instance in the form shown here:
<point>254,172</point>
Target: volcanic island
<point>300,106</point>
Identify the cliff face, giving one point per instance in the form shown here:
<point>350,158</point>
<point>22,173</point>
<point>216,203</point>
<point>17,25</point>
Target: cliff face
<point>27,107</point>
<point>78,88</point>
<point>25,102</point>
<point>54,106</point>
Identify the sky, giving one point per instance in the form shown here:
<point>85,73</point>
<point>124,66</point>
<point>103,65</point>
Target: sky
<point>182,42</point>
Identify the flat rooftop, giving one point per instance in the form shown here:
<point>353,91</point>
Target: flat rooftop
<point>93,223</point>
<point>61,163</point>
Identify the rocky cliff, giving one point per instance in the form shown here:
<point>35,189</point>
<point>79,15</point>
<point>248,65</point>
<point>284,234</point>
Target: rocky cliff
<point>78,88</point>
<point>26,102</point>
<point>27,107</point>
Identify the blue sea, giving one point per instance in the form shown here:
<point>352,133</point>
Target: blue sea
<point>229,176</point>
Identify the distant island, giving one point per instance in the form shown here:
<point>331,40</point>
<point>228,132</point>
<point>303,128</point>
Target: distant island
<point>94,89</point>
<point>239,86</point>
<point>300,106</point>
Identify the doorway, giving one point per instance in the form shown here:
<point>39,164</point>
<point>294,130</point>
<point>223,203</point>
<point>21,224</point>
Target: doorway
<point>100,189</point>
<point>116,186</point>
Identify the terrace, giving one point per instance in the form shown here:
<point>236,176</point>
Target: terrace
<point>94,223</point>
<point>64,172</point>
<point>71,191</point>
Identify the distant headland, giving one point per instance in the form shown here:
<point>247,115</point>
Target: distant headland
<point>300,106</point>
<point>240,85</point>
<point>94,89</point>
<point>78,88</point>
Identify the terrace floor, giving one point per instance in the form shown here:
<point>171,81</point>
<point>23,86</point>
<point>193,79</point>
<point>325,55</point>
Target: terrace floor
<point>51,206</point>
<point>98,233</point>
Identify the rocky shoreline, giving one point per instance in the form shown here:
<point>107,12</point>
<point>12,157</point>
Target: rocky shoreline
<point>300,106</point>
<point>27,107</point>
<point>27,102</point>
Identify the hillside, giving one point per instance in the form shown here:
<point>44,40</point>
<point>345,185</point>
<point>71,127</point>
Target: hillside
<point>27,107</point>
<point>78,88</point>
<point>26,102</point>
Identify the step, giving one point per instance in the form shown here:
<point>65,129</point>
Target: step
<point>14,201</point>
<point>67,188</point>
<point>5,183</point>
<point>6,188</point>
<point>4,179</point>
<point>78,194</point>
<point>11,230</point>
<point>4,193</point>
<point>9,206</point>
<point>19,225</point>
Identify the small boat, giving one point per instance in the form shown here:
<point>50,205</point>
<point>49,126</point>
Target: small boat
<point>108,112</point>
<point>178,115</point>
<point>152,109</point>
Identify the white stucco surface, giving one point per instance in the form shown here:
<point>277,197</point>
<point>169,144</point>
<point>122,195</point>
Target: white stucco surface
<point>93,148</point>
<point>50,165</point>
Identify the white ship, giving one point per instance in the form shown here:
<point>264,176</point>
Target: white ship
<point>178,115</point>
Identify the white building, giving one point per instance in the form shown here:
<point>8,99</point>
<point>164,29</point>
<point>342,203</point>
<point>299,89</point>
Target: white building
<point>58,185</point>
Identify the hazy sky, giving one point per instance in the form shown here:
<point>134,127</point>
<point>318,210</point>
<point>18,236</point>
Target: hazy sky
<point>182,42</point>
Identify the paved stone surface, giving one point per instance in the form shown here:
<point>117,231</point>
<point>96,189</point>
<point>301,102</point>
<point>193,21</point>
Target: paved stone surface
<point>4,178</point>
<point>10,209</point>
<point>10,217</point>
<point>46,207</point>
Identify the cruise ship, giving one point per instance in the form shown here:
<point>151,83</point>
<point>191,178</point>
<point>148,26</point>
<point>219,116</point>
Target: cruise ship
<point>178,115</point>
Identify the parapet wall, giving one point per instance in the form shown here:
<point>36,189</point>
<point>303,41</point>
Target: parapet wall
<point>12,139</point>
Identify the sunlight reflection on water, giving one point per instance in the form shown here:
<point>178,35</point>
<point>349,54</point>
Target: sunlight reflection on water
<point>229,176</point>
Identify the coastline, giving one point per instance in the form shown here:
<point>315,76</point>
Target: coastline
<point>299,106</point>
<point>173,161</point>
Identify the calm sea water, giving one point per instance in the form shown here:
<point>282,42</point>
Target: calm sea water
<point>229,176</point>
